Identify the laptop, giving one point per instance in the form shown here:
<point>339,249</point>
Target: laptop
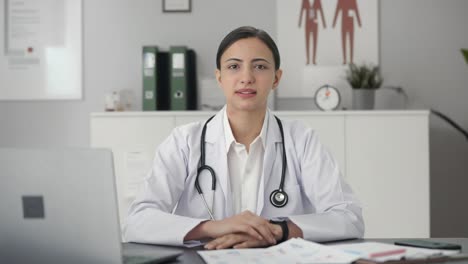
<point>60,206</point>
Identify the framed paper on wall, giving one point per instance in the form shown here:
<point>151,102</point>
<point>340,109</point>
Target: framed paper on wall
<point>177,5</point>
<point>41,50</point>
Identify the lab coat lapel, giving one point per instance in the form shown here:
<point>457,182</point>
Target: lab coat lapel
<point>216,157</point>
<point>272,145</point>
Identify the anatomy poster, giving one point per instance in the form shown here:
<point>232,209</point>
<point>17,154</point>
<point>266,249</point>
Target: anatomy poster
<point>319,38</point>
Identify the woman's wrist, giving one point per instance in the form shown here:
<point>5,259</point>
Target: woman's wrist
<point>206,227</point>
<point>294,230</point>
<point>278,232</point>
<point>199,232</point>
<point>284,230</point>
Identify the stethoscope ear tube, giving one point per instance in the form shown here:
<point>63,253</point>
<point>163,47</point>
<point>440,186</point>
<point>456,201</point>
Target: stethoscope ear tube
<point>205,167</point>
<point>202,144</point>
<point>213,178</point>
<point>278,197</point>
<point>206,205</point>
<point>202,162</point>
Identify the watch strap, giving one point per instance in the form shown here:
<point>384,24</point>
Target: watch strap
<point>284,228</point>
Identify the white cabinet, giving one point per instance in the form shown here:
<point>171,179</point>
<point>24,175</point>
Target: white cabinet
<point>387,164</point>
<point>384,155</point>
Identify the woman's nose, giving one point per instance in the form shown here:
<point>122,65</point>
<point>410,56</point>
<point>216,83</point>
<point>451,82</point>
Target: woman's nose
<point>247,76</point>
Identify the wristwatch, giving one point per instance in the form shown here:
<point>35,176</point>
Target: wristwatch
<point>284,227</point>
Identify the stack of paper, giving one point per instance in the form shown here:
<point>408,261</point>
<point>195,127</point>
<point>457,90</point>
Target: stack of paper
<point>297,250</point>
<point>292,251</point>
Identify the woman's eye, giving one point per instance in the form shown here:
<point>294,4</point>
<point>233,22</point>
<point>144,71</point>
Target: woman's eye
<point>233,66</point>
<point>260,67</point>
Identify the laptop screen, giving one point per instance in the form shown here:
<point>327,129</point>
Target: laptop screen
<point>58,206</point>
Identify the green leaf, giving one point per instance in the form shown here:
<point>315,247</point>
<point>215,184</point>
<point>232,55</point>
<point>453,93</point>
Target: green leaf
<point>465,54</point>
<point>364,76</point>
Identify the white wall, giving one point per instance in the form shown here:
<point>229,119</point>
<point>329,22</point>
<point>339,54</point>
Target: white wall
<point>420,50</point>
<point>420,42</point>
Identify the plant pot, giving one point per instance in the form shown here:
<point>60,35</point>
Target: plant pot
<point>363,99</point>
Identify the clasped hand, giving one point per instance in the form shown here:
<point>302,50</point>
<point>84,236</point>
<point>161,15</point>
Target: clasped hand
<point>244,230</point>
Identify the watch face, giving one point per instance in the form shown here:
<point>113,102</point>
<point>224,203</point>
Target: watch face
<point>327,98</point>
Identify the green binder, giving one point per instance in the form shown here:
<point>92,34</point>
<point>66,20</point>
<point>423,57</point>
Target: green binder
<point>150,78</point>
<point>178,62</point>
<point>183,91</point>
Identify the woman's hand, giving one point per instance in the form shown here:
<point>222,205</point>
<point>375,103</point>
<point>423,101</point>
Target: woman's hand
<point>240,240</point>
<point>236,241</point>
<point>246,223</point>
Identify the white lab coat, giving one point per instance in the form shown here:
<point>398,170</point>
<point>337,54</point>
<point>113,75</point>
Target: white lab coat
<point>320,202</point>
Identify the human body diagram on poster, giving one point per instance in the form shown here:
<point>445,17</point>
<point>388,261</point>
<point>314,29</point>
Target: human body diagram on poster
<point>310,13</point>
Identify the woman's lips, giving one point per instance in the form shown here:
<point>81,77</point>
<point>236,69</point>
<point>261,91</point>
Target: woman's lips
<point>246,93</point>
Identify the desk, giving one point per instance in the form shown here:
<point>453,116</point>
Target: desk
<point>190,254</point>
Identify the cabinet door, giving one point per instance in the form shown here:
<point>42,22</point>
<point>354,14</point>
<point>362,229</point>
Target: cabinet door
<point>133,141</point>
<point>388,168</point>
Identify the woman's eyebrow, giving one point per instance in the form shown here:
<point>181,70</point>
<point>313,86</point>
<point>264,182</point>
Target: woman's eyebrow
<point>253,60</point>
<point>261,59</point>
<point>233,59</point>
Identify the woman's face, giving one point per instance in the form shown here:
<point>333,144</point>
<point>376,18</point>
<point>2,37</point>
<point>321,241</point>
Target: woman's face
<point>247,75</point>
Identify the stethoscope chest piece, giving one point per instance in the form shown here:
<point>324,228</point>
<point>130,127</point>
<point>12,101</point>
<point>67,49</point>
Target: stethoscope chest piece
<point>278,198</point>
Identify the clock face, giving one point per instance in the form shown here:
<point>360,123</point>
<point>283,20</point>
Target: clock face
<point>327,98</point>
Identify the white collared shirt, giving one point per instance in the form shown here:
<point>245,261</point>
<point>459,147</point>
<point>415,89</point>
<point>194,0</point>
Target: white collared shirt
<point>245,169</point>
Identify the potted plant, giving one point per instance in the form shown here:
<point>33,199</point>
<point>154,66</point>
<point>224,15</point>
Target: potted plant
<point>364,79</point>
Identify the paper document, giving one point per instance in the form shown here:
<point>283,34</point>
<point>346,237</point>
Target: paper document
<point>381,252</point>
<point>373,250</point>
<point>295,250</point>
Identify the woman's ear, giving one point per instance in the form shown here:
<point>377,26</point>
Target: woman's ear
<point>218,77</point>
<point>278,75</point>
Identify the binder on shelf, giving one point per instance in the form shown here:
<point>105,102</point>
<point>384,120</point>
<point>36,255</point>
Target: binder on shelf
<point>155,79</point>
<point>183,91</point>
<point>149,77</point>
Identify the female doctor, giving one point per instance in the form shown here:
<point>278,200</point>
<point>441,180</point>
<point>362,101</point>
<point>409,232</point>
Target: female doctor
<point>244,178</point>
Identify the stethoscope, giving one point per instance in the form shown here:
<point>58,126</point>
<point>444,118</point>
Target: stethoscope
<point>278,197</point>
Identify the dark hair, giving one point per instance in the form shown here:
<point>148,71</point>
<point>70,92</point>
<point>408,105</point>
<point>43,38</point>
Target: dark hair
<point>243,33</point>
